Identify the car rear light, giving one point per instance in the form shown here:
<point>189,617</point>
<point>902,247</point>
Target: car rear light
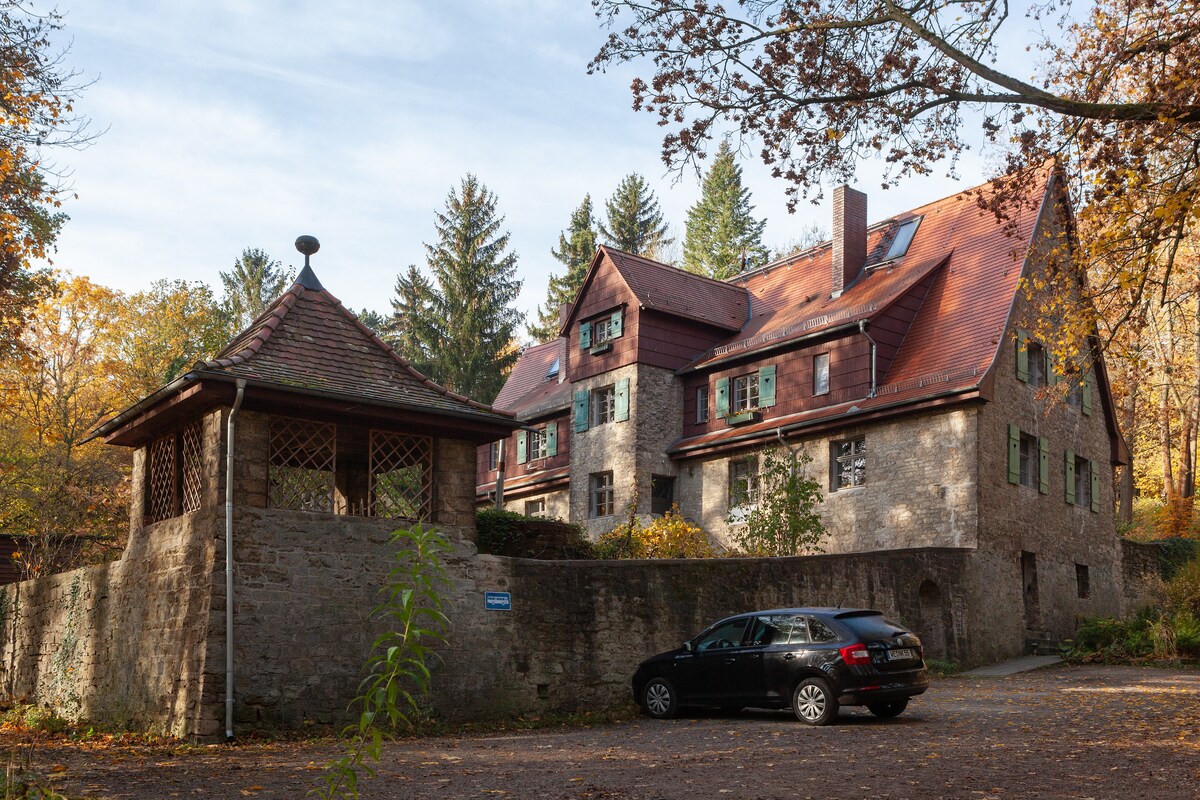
<point>856,655</point>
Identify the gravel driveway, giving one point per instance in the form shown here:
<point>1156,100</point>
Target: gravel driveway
<point>1067,732</point>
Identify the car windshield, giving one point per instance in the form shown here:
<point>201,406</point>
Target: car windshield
<point>872,626</point>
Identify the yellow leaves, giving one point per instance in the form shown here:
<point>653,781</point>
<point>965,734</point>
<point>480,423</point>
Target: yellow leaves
<point>668,536</point>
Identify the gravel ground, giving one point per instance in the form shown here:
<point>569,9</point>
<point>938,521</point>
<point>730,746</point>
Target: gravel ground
<point>1066,732</point>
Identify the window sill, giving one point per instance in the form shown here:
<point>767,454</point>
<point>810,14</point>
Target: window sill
<point>597,349</point>
<point>849,489</point>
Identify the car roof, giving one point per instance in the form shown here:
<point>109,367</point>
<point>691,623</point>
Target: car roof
<point>837,612</point>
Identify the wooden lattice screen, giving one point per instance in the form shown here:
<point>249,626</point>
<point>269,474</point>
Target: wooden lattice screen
<point>401,476</point>
<point>160,479</point>
<point>302,464</point>
<point>173,469</point>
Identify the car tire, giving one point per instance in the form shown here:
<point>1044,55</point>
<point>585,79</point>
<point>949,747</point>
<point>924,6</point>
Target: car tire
<point>888,710</point>
<point>659,699</point>
<point>814,702</point>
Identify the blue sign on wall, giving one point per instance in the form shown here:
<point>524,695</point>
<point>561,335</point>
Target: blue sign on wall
<point>497,601</point>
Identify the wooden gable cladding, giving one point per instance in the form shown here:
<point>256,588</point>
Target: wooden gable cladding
<point>605,294</point>
<point>849,379</point>
<point>673,342</point>
<point>484,474</point>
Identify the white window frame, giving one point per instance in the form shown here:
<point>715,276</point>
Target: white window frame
<point>600,495</point>
<point>701,404</point>
<point>820,374</point>
<point>743,392</point>
<point>604,405</point>
<point>857,451</point>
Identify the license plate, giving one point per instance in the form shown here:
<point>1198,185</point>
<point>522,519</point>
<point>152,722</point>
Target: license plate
<point>901,654</point>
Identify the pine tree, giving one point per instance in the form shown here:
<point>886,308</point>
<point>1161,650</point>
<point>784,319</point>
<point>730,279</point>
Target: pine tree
<point>463,322</point>
<point>576,247</point>
<point>634,221</point>
<point>720,227</point>
<point>251,285</point>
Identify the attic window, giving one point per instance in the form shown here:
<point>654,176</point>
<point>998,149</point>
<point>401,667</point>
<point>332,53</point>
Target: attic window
<point>902,239</point>
<point>553,371</point>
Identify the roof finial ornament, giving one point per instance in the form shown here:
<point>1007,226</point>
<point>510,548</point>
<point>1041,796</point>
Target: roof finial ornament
<point>307,278</point>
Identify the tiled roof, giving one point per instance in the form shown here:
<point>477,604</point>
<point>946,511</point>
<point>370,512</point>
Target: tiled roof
<point>530,388</point>
<point>307,341</point>
<point>684,294</point>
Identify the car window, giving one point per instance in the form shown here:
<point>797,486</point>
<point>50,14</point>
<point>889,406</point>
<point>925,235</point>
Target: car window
<point>820,631</point>
<point>779,629</point>
<point>871,627</point>
<point>727,634</point>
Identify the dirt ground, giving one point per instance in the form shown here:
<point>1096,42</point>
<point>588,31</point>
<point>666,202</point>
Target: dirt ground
<point>1067,732</point>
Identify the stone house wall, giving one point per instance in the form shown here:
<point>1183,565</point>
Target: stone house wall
<point>920,486</point>
<point>558,504</point>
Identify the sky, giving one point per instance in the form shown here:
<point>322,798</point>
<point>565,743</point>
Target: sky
<point>228,124</point>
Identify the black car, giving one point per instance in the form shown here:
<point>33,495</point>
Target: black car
<point>813,659</point>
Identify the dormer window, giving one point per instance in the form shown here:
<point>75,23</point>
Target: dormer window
<point>597,334</point>
<point>902,239</point>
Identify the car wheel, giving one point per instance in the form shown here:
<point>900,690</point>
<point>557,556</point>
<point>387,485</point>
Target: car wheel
<point>658,698</point>
<point>887,710</point>
<point>814,702</point>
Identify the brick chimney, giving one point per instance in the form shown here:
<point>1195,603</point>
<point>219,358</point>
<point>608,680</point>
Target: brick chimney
<point>849,236</point>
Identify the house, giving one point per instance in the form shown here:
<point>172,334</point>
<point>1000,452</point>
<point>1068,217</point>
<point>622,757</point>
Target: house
<point>897,357</point>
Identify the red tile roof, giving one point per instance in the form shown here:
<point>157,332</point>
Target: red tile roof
<point>664,288</point>
<point>306,340</point>
<point>530,389</point>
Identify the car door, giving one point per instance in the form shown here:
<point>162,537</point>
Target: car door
<point>783,656</point>
<point>703,678</point>
<point>746,677</point>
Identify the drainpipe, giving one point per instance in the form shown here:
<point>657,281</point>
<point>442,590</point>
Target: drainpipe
<point>862,328</point>
<point>500,476</point>
<point>237,403</point>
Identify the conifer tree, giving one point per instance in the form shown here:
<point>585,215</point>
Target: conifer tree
<point>463,320</point>
<point>412,330</point>
<point>251,285</point>
<point>634,221</point>
<point>720,227</point>
<point>576,247</point>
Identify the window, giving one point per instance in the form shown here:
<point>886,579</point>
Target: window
<point>849,463</point>
<point>600,485</point>
<point>601,331</point>
<point>1030,461</point>
<point>727,634</point>
<point>743,482</point>
<point>401,476</point>
<point>1037,365</point>
<point>536,442</point>
<point>1083,581</point>
<point>745,392</point>
<point>553,371</point>
<point>821,374</point>
<point>535,508</point>
<point>604,405</point>
<point>662,493</point>
<point>1083,482</point>
<point>902,239</point>
<point>301,465</point>
<point>702,404</point>
<point>494,456</point>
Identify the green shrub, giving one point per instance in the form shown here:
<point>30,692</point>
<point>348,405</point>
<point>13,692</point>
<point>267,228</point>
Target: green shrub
<point>499,531</point>
<point>1183,589</point>
<point>668,536</point>
<point>1175,554</point>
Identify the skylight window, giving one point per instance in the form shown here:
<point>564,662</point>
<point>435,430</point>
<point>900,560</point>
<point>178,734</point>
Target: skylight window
<point>902,239</point>
<point>553,371</point>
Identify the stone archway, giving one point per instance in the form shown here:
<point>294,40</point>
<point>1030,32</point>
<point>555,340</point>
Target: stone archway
<point>932,620</point>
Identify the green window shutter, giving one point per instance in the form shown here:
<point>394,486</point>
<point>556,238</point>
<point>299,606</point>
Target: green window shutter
<point>618,326</point>
<point>581,410</point>
<point>1069,476</point>
<point>1095,485</point>
<point>1086,390</point>
<point>1051,369</point>
<point>1043,465</point>
<point>1014,454</point>
<point>621,412</point>
<point>766,386</point>
<point>522,447</point>
<point>585,335</point>
<point>551,438</point>
<point>1022,356</point>
<point>722,397</point>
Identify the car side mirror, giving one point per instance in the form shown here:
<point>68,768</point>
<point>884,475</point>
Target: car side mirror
<point>687,646</point>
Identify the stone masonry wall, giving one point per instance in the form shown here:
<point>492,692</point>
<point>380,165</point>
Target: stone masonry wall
<point>920,486</point>
<point>611,446</point>
<point>123,643</point>
<point>558,504</point>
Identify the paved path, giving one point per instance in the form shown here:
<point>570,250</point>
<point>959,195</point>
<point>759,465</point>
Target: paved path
<point>1012,666</point>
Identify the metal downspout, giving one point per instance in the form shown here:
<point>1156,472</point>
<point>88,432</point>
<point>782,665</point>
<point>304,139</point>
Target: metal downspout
<point>862,328</point>
<point>237,403</point>
<point>500,475</point>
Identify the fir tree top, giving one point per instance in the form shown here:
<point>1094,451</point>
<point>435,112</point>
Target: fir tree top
<point>634,221</point>
<point>720,227</point>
